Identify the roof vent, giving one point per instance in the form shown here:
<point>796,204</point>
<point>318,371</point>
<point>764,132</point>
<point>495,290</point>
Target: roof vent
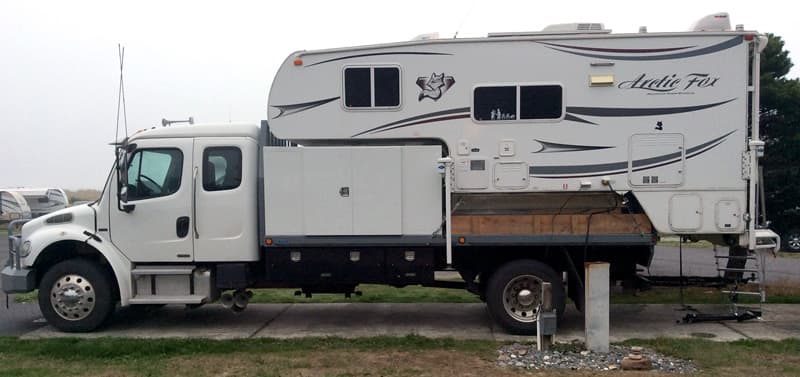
<point>426,37</point>
<point>713,22</point>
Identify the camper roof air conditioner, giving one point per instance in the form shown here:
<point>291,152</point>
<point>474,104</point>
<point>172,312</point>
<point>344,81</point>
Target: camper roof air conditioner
<point>585,27</point>
<point>557,29</point>
<point>713,22</point>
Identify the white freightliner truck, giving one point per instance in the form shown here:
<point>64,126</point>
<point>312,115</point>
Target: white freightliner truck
<point>512,159</point>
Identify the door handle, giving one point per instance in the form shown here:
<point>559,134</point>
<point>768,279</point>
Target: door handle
<point>182,226</point>
<point>194,201</point>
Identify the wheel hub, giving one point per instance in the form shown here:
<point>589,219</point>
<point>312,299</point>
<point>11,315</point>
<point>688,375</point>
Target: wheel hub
<point>72,297</point>
<point>525,297</point>
<point>522,296</point>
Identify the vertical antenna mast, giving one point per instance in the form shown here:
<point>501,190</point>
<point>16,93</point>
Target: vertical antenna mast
<point>121,95</point>
<point>465,18</point>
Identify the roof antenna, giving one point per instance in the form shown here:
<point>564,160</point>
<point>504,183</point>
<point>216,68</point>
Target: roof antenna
<point>121,95</point>
<point>471,7</point>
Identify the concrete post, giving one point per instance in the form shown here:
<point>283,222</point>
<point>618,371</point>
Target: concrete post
<point>545,323</point>
<point>597,306</point>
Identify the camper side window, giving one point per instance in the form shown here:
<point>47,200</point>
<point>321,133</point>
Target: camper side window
<point>371,87</point>
<point>499,103</point>
<point>495,103</point>
<point>540,102</point>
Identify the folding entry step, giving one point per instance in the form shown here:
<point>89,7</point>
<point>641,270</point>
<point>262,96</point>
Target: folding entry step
<point>740,262</point>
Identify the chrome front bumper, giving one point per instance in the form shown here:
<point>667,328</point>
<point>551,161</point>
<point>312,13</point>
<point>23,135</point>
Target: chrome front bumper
<point>17,280</point>
<point>14,278</point>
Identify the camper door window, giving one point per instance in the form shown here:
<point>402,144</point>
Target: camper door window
<point>517,102</point>
<point>371,87</point>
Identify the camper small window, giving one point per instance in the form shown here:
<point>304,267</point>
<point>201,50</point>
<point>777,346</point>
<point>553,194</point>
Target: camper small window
<point>493,103</point>
<point>357,87</point>
<point>371,87</point>
<point>540,102</point>
<point>222,168</point>
<point>387,87</point>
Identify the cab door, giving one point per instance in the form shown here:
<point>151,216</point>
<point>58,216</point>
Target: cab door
<point>226,199</point>
<point>155,225</point>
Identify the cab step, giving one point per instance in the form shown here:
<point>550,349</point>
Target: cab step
<point>172,284</point>
<point>187,299</point>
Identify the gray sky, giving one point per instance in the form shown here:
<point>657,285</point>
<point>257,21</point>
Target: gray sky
<point>216,60</point>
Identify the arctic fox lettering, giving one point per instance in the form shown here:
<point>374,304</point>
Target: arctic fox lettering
<point>669,83</point>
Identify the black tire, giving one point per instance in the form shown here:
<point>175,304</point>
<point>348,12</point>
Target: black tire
<point>519,322</point>
<point>791,241</point>
<point>85,291</point>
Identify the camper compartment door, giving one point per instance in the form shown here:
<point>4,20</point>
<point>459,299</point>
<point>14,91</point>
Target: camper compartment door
<point>376,192</point>
<point>327,191</point>
<point>352,191</point>
<point>656,160</point>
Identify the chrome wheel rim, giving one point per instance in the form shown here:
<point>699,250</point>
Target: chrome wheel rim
<point>72,297</point>
<point>522,296</point>
<point>794,241</point>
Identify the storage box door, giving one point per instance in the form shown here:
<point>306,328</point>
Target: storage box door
<point>685,212</point>
<point>327,192</point>
<point>377,191</point>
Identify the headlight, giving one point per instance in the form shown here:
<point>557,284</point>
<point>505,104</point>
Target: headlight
<point>25,249</point>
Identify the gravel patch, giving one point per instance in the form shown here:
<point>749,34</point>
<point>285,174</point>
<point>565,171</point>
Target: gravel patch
<point>573,356</point>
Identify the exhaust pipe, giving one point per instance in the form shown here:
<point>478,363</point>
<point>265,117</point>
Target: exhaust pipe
<point>237,301</point>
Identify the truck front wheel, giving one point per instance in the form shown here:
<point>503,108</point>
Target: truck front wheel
<point>76,296</point>
<point>514,294</point>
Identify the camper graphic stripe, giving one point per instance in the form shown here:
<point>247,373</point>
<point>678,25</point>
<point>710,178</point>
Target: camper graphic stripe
<point>463,112</point>
<point>620,50</point>
<point>636,112</point>
<point>576,171</point>
<point>679,55</point>
<point>298,107</point>
<point>378,54</point>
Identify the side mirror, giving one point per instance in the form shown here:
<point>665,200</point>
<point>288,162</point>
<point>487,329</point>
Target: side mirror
<point>122,175</point>
<point>123,155</point>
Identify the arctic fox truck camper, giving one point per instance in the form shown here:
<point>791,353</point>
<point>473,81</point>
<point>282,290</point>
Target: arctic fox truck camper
<point>512,159</point>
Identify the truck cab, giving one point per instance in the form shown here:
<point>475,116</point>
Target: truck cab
<point>176,198</point>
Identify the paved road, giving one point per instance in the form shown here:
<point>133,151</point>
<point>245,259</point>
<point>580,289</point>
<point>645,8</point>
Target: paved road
<point>701,262</point>
<point>21,319</point>
<point>461,321</point>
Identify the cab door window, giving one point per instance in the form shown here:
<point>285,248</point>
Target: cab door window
<point>222,168</point>
<point>154,172</point>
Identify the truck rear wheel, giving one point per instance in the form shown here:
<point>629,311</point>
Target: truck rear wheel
<point>76,296</point>
<point>514,294</point>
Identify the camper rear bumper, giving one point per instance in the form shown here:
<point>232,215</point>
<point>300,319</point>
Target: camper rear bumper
<point>17,280</point>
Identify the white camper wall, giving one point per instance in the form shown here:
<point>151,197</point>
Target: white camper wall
<point>352,191</point>
<point>656,114</point>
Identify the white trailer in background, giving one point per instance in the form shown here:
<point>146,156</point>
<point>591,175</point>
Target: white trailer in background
<point>42,201</point>
<point>13,206</point>
<point>512,159</point>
